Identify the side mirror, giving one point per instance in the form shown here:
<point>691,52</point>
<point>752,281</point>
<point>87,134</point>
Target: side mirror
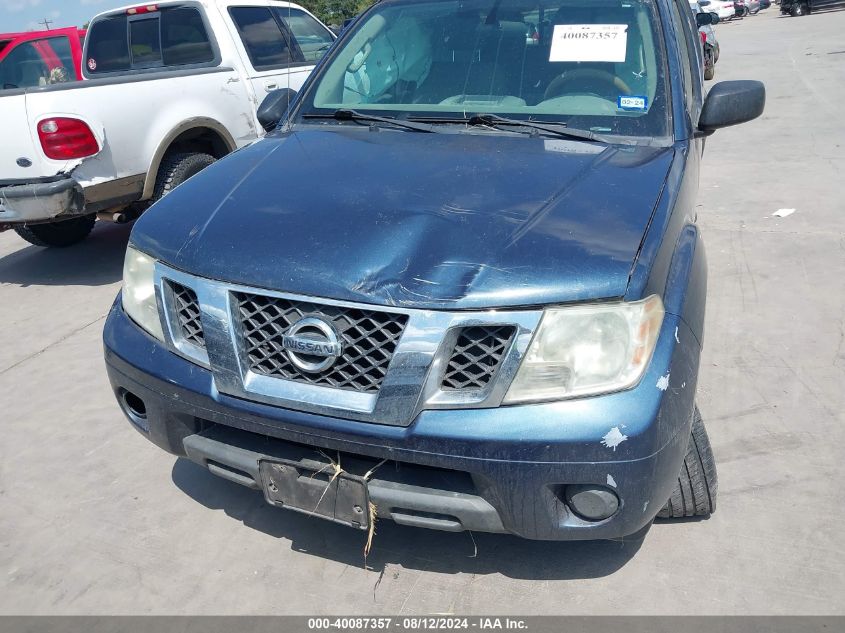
<point>274,107</point>
<point>704,18</point>
<point>731,103</point>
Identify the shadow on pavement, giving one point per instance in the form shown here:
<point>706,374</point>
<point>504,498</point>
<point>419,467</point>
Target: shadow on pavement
<point>412,548</point>
<point>96,261</point>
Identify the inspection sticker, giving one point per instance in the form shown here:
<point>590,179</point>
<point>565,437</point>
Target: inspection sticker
<point>633,103</point>
<point>589,43</point>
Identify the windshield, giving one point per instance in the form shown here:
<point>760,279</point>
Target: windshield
<point>591,64</point>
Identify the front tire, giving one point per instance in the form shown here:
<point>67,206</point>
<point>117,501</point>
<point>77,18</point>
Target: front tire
<point>177,168</point>
<point>695,493</point>
<point>58,234</point>
<point>709,66</point>
<point>799,9</point>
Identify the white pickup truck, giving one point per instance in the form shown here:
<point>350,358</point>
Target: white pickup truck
<point>168,88</point>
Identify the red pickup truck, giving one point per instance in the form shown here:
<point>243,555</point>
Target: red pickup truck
<point>40,58</point>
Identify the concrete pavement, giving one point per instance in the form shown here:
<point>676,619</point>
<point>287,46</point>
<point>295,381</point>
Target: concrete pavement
<point>94,519</point>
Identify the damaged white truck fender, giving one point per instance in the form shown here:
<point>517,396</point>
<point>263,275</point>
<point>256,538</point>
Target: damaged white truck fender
<point>140,124</point>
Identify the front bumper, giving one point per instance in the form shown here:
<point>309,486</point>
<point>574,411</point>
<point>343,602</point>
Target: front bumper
<point>40,201</point>
<point>498,470</point>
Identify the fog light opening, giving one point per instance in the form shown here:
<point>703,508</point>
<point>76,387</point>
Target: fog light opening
<point>134,405</point>
<point>591,502</point>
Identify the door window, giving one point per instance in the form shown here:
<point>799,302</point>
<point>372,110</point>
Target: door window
<point>37,63</point>
<point>312,37</point>
<point>262,36</point>
<point>184,39</point>
<point>61,53</point>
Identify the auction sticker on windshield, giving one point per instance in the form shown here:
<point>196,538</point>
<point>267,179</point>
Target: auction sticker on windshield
<point>589,43</point>
<point>632,103</point>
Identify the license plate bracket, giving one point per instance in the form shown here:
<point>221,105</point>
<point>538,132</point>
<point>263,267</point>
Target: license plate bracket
<point>315,490</point>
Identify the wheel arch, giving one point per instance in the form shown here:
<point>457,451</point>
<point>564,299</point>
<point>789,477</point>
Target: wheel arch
<point>201,134</point>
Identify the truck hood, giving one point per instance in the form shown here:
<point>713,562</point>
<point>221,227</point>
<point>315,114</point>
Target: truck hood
<point>420,220</point>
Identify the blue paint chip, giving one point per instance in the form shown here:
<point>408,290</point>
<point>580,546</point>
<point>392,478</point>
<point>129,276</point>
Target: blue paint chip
<point>631,102</point>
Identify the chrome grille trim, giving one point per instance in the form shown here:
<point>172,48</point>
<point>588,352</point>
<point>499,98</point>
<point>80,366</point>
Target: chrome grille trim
<point>413,379</point>
<point>369,339</point>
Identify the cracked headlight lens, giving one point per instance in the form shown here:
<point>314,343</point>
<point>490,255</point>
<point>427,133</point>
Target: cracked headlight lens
<point>588,350</point>
<point>139,295</point>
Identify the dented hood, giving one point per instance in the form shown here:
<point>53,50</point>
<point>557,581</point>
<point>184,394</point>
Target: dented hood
<point>424,220</point>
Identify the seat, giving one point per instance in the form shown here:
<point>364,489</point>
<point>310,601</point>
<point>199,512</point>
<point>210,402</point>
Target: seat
<point>31,74</point>
<point>481,60</point>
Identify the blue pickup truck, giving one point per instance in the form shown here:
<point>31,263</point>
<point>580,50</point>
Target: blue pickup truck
<point>459,285</point>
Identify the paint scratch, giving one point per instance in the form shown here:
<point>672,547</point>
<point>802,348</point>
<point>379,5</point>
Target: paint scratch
<point>611,481</point>
<point>677,340</point>
<point>645,507</point>
<point>613,438</point>
<point>663,382</point>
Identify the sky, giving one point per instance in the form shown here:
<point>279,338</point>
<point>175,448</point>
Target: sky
<point>25,15</point>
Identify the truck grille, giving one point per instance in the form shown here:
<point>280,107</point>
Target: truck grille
<point>188,314</point>
<point>476,357</point>
<point>369,339</point>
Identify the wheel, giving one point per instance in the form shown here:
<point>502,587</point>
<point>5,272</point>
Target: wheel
<point>58,234</point>
<point>798,9</point>
<point>177,168</point>
<point>695,493</point>
<point>709,66</point>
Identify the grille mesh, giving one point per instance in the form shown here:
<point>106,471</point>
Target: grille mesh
<point>369,339</point>
<point>476,358</point>
<point>188,313</point>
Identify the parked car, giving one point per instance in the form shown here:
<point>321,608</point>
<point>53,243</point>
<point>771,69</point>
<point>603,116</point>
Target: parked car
<point>803,7</point>
<point>743,8</point>
<point>723,8</point>
<point>461,285</point>
<point>168,90</point>
<point>40,58</point>
<point>709,43</point>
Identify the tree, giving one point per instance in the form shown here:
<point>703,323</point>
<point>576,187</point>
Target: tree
<point>335,11</point>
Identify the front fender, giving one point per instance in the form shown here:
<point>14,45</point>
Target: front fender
<point>685,294</point>
<point>672,261</point>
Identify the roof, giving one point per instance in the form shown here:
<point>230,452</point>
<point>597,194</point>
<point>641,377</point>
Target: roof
<point>165,3</point>
<point>38,34</point>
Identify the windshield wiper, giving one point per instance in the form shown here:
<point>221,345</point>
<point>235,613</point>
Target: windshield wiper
<point>354,115</point>
<point>494,120</point>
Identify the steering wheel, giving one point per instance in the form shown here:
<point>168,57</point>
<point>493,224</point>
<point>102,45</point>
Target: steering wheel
<point>557,85</point>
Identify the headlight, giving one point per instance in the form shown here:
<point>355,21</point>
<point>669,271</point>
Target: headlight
<point>586,350</point>
<point>139,293</point>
